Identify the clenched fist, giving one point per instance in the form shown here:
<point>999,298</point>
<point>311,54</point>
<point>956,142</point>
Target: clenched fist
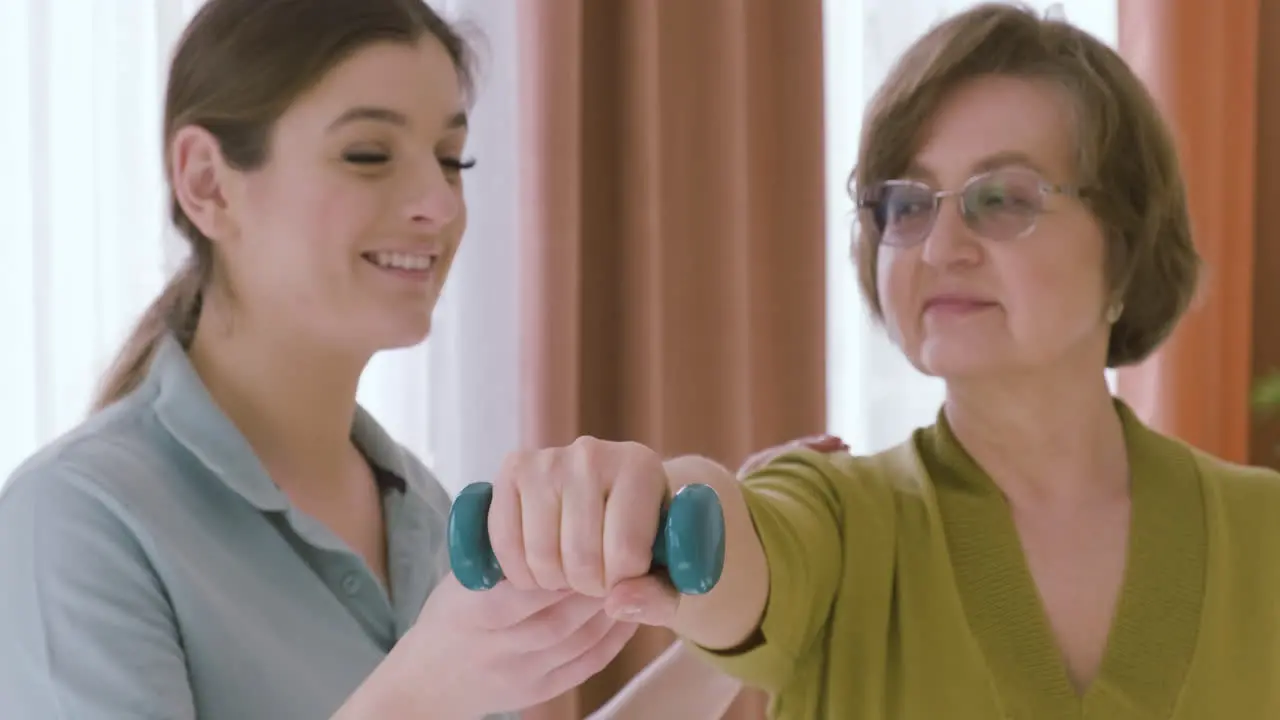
<point>581,517</point>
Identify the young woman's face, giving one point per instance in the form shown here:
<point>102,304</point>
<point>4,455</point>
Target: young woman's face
<point>1009,275</point>
<point>347,233</point>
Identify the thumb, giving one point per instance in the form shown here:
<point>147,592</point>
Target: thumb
<point>646,600</point>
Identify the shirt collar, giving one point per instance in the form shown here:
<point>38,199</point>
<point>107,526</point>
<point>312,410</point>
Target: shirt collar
<point>184,407</point>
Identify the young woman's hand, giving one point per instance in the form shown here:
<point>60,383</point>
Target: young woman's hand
<point>475,653</point>
<point>820,443</point>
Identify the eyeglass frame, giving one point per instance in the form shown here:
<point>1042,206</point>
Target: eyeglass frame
<point>1044,187</point>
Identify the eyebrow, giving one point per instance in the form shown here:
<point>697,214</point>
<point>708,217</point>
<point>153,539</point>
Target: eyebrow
<point>996,161</point>
<point>457,121</point>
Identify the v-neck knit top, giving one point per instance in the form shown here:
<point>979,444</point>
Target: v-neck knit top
<point>898,590</point>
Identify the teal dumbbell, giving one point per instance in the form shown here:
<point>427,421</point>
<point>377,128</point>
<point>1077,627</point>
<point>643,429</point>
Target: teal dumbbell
<point>689,545</point>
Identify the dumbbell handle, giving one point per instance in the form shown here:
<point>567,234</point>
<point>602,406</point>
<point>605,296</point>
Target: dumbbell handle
<point>689,544</point>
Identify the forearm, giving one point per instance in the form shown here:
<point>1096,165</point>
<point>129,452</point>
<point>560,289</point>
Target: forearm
<point>373,699</point>
<point>676,686</point>
<point>383,696</point>
<point>727,616</point>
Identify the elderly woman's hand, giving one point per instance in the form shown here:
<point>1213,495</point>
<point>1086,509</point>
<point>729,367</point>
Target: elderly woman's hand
<point>821,443</point>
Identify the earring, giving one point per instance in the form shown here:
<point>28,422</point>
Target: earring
<point>1114,311</point>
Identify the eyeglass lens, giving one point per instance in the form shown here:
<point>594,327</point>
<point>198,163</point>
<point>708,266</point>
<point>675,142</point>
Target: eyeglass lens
<point>998,206</point>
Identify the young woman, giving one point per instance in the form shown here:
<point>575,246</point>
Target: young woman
<point>231,536</point>
<point>1038,552</point>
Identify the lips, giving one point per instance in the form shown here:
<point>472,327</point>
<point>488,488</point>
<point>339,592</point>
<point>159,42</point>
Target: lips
<point>957,304</point>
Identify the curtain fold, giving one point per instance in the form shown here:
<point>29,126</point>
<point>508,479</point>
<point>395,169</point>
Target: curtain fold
<point>673,236</point>
<point>1200,61</point>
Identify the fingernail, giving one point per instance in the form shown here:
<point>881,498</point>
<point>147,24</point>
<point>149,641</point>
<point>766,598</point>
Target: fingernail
<point>628,611</point>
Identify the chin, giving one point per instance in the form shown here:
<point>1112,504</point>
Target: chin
<point>952,362</point>
<point>396,336</point>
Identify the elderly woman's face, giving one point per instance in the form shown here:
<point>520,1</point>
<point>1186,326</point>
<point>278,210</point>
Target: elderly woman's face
<point>1006,275</point>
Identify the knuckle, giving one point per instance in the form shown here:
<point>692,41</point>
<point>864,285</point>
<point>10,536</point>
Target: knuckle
<point>546,576</point>
<point>631,560</point>
<point>513,465</point>
<point>639,452</point>
<point>541,547</point>
<point>584,570</point>
<point>588,450</point>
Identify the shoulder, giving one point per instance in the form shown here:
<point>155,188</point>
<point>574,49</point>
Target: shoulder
<point>1244,488</point>
<point>122,456</point>
<point>869,486</point>
<point>69,514</point>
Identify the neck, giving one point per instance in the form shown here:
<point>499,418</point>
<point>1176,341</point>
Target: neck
<point>1052,436</point>
<point>294,401</point>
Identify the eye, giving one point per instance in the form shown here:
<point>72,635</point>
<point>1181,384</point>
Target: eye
<point>456,165</point>
<point>1006,197</point>
<point>366,157</point>
<point>907,203</point>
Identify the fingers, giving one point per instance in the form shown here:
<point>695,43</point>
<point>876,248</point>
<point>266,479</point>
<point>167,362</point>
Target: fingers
<point>591,660</point>
<point>581,536</point>
<point>505,605</point>
<point>631,518</point>
<point>506,525</point>
<point>580,517</point>
<point>573,644</point>
<point>646,600</point>
<point>550,626</point>
<point>540,505</point>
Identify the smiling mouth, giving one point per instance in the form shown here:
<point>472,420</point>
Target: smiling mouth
<point>413,264</point>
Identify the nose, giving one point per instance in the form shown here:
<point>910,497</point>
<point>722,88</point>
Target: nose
<point>435,202</point>
<point>950,242</point>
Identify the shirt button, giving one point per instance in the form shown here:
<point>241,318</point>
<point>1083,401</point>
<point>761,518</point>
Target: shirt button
<point>351,584</point>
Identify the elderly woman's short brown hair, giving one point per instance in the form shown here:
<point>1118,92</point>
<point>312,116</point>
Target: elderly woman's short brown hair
<point>1127,164</point>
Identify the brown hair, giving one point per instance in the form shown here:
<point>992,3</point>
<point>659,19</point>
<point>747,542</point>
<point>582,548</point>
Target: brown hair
<point>238,67</point>
<point>1127,159</point>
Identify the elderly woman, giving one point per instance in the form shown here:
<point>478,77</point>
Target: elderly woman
<point>1038,552</point>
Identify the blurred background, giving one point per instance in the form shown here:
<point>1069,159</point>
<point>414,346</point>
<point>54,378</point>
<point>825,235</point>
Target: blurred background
<point>659,234</point>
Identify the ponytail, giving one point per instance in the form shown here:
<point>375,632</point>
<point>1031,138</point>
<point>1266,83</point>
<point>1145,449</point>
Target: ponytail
<point>176,311</point>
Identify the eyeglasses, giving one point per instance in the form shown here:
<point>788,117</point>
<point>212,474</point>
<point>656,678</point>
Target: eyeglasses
<point>1001,205</point>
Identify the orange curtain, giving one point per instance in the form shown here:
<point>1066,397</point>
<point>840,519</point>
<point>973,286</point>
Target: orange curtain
<point>672,236</point>
<point>1200,61</point>
<point>1265,449</point>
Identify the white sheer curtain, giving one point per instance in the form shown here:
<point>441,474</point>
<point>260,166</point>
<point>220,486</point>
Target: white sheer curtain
<point>85,242</point>
<point>875,398</point>
<point>453,400</point>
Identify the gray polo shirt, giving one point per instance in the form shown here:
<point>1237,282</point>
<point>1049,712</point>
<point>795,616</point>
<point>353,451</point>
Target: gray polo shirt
<point>149,568</point>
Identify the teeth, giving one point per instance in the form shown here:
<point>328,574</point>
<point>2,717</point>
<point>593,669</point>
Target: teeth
<point>402,261</point>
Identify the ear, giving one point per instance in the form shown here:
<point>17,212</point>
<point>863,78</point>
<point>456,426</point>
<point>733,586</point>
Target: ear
<point>198,173</point>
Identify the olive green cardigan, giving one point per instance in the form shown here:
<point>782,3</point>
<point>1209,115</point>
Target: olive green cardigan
<point>898,590</point>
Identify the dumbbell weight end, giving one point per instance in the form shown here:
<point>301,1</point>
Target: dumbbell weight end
<point>689,545</point>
